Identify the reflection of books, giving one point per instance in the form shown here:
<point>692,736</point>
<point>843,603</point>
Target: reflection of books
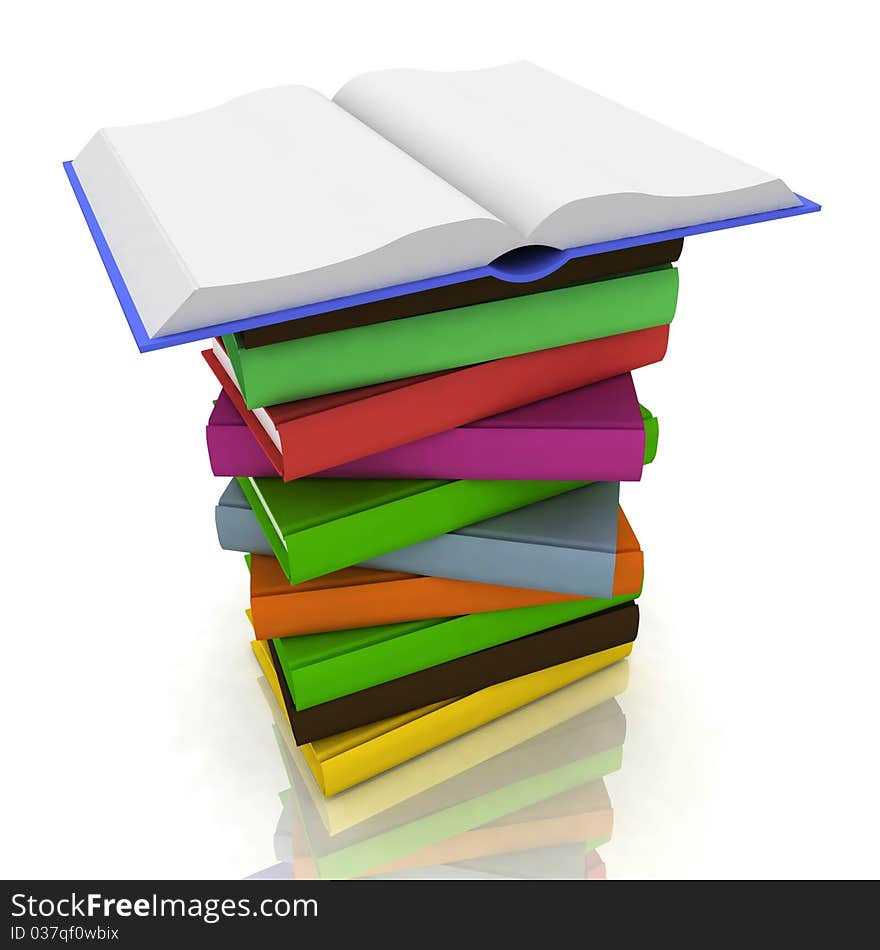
<point>442,173</point>
<point>549,862</point>
<point>455,758</point>
<point>282,871</point>
<point>502,819</point>
<point>518,845</point>
<point>530,797</point>
<point>575,861</point>
<point>552,863</point>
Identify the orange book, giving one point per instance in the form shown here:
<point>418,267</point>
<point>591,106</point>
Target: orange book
<point>365,597</point>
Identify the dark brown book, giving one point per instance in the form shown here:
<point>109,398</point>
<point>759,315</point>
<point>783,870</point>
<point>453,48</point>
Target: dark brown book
<point>579,270</point>
<point>467,674</point>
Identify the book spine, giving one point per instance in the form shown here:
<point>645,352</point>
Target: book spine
<point>367,605</point>
<point>606,455</point>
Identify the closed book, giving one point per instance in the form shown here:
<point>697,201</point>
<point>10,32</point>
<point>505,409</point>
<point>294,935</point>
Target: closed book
<point>595,633</point>
<point>328,666</point>
<point>566,544</point>
<point>318,525</point>
<point>363,356</point>
<point>311,435</point>
<point>595,433</point>
<point>346,760</point>
<point>357,597</point>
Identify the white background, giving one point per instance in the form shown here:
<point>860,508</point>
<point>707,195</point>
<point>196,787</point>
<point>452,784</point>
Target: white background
<point>136,740</point>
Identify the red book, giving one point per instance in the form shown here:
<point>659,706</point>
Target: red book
<point>309,435</point>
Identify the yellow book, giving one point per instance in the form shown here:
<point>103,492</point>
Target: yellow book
<point>343,761</point>
<point>391,788</point>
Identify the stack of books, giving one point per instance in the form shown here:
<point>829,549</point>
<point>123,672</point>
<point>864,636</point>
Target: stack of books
<point>425,299</point>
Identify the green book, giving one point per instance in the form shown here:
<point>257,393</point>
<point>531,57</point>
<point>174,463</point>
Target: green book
<point>361,356</point>
<point>325,666</point>
<point>319,525</point>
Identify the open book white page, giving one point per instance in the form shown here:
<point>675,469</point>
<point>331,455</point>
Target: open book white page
<point>276,199</point>
<point>561,164</point>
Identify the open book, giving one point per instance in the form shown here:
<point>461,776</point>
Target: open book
<point>283,203</point>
